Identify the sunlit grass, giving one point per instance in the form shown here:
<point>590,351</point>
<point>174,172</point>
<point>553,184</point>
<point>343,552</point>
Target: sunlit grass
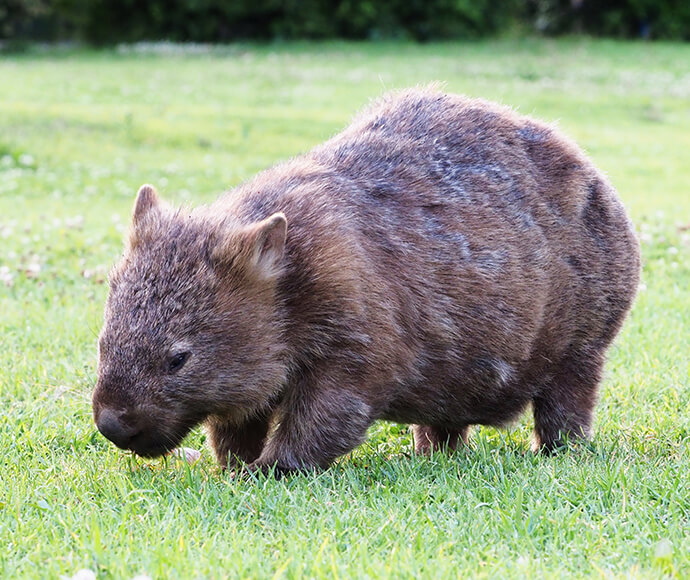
<point>80,131</point>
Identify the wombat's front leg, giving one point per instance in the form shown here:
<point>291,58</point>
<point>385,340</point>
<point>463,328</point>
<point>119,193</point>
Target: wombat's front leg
<point>314,428</point>
<point>231,441</point>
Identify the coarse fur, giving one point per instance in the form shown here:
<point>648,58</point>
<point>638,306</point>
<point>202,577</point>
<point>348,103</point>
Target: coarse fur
<point>443,262</point>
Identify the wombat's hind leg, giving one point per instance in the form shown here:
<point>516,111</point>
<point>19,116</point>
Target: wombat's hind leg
<point>564,406</point>
<point>231,442</point>
<point>428,439</point>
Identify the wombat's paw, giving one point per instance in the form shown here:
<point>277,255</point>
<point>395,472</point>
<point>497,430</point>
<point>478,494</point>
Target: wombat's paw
<point>568,440</point>
<point>547,450</point>
<point>187,454</point>
<point>274,470</point>
<point>249,471</point>
<point>236,470</point>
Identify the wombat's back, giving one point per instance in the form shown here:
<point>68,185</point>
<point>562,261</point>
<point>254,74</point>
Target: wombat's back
<point>435,186</point>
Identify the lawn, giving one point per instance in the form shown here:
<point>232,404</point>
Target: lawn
<point>81,130</point>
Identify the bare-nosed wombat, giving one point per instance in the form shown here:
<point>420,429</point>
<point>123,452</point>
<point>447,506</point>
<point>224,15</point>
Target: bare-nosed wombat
<point>443,261</point>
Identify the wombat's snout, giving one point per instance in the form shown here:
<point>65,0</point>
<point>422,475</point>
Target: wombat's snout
<point>112,427</point>
<point>139,431</point>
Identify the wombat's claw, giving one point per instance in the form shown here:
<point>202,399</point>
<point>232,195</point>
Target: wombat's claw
<point>252,469</point>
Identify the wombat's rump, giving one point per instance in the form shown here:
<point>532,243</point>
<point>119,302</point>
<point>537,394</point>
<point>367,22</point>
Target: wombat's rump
<point>443,261</point>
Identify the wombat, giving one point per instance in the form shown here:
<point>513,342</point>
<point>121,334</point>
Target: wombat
<point>443,262</point>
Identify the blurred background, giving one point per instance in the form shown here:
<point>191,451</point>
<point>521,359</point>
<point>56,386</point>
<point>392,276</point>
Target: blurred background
<point>116,21</point>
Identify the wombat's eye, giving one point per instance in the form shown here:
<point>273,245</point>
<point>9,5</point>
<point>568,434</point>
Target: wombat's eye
<point>176,361</point>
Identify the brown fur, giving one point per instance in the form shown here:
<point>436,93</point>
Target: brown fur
<point>443,261</point>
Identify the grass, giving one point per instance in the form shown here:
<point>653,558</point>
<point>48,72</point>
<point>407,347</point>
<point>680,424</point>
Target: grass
<point>80,131</point>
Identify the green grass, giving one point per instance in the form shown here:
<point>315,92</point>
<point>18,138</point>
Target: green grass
<point>80,131</point>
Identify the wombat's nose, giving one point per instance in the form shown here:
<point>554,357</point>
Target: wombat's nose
<point>110,425</point>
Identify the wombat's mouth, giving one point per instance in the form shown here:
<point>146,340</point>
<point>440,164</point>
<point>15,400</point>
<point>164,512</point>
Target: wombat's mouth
<point>151,445</point>
<point>150,450</point>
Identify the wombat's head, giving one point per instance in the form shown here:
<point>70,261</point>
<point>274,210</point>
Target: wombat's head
<point>192,328</point>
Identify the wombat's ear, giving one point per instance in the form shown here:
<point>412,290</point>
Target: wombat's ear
<point>269,240</point>
<point>257,248</point>
<point>147,198</point>
<point>147,212</point>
